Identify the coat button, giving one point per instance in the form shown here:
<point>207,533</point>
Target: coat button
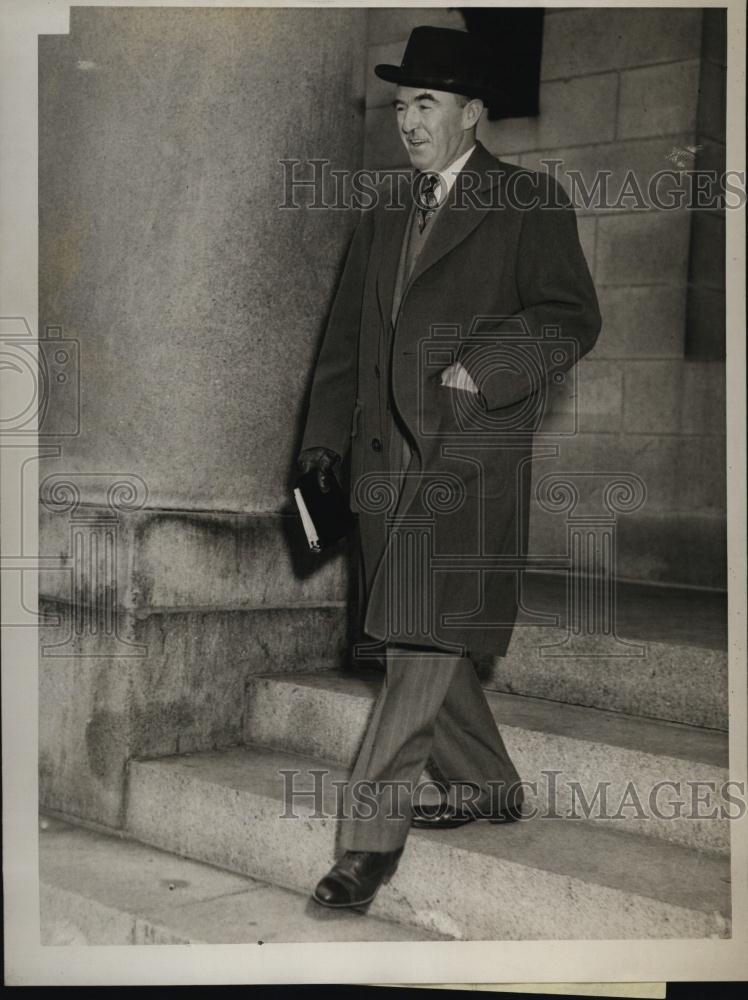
<point>376,444</point>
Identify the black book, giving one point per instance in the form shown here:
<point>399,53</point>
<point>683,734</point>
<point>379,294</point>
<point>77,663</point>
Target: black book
<point>326,516</point>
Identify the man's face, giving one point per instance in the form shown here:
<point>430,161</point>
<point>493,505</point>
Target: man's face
<point>432,126</point>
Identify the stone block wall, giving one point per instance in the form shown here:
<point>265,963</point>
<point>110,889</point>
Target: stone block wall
<point>625,90</point>
<point>172,570</point>
<point>197,302</point>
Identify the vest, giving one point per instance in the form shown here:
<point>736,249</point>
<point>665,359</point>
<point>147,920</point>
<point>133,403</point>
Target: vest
<point>413,243</point>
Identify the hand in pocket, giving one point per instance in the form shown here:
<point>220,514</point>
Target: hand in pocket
<point>457,377</point>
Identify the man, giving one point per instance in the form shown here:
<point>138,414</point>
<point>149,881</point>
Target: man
<point>434,358</point>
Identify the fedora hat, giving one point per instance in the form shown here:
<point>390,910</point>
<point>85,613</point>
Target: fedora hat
<point>443,59</point>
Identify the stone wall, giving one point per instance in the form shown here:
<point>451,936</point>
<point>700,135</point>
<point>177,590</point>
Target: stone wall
<point>172,569</point>
<point>198,304</point>
<point>620,90</point>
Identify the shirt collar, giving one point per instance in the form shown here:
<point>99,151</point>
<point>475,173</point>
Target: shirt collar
<point>449,175</point>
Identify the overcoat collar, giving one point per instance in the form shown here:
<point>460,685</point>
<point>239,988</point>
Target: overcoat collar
<point>456,219</point>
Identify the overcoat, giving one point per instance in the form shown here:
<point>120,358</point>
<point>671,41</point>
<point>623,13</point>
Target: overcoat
<point>502,286</point>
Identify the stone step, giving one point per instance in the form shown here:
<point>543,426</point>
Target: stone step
<point>101,889</point>
<point>676,683</point>
<point>671,662</point>
<point>537,879</point>
<point>324,715</point>
<point>644,612</point>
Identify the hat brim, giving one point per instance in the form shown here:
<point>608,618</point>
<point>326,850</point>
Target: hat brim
<point>395,74</point>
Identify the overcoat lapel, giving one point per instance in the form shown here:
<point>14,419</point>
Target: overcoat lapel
<point>453,224</point>
<point>457,219</point>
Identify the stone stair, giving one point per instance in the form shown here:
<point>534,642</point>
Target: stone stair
<point>569,871</point>
<point>671,662</point>
<point>536,879</point>
<point>324,716</point>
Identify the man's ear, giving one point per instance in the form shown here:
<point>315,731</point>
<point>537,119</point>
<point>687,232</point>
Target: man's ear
<point>471,113</point>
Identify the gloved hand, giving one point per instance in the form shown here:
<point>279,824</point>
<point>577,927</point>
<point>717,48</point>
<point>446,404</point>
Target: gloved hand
<point>321,459</point>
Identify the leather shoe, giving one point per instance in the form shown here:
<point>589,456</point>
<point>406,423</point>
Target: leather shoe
<point>356,877</point>
<point>444,816</point>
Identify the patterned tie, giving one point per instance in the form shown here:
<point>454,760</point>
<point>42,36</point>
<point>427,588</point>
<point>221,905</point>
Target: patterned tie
<point>426,199</point>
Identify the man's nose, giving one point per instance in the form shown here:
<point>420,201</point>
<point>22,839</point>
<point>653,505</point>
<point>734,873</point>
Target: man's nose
<point>411,118</point>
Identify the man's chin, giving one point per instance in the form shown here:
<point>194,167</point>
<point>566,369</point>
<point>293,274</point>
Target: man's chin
<point>419,157</point>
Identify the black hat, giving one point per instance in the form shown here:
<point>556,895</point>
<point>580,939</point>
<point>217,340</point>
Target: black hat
<point>443,59</point>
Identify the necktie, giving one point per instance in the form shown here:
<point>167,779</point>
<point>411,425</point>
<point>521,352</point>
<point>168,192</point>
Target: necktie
<point>426,199</point>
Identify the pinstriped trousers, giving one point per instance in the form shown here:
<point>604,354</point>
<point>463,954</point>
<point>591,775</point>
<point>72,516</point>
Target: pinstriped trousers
<point>431,706</point>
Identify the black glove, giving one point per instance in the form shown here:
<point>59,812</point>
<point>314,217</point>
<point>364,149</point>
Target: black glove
<point>321,459</point>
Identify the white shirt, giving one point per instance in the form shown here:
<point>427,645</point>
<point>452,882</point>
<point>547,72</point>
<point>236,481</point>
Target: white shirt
<point>449,175</point>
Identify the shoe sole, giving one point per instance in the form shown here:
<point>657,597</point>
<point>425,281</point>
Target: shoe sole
<point>452,824</point>
<point>343,906</point>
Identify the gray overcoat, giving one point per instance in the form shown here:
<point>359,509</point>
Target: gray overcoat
<point>502,286</point>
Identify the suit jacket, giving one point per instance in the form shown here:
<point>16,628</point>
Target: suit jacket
<point>502,286</point>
